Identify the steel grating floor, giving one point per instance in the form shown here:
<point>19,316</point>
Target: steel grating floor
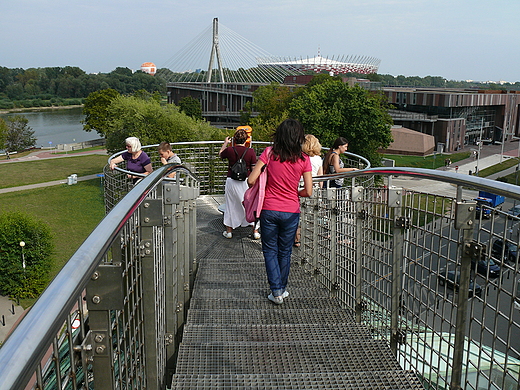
<point>234,338</point>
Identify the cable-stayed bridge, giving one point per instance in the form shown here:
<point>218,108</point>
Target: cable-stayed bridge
<point>218,54</point>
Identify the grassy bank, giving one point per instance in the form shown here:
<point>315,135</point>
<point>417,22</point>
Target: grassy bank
<point>71,212</point>
<point>42,170</point>
<point>426,162</point>
<point>511,162</point>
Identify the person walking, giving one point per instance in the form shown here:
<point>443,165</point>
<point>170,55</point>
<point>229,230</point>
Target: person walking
<point>332,163</point>
<point>280,215</point>
<point>234,214</point>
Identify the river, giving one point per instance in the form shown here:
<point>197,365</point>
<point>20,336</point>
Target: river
<point>54,127</point>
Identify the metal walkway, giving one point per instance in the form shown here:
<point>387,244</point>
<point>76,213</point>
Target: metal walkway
<point>235,338</point>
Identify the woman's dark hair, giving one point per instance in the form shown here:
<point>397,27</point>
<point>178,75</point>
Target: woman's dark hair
<point>326,159</point>
<point>240,136</point>
<point>287,141</point>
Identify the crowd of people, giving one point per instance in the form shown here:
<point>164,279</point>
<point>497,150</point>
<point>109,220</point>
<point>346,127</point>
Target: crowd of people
<point>291,162</point>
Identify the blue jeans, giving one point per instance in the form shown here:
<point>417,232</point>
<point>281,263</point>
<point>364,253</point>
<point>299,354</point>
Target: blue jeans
<point>278,232</point>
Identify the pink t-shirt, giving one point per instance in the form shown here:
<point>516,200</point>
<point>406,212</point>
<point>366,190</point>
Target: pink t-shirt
<point>281,193</point>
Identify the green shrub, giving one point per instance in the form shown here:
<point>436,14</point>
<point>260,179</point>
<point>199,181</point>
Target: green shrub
<point>16,281</point>
<point>6,104</point>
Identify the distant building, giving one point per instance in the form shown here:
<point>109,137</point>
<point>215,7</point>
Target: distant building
<point>410,142</point>
<point>149,67</point>
<point>456,117</point>
<point>319,64</point>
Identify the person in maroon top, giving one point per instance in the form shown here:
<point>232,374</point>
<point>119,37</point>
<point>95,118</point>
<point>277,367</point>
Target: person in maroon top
<point>234,214</point>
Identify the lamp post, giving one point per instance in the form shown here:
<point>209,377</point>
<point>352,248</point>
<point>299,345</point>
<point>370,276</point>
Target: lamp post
<point>22,244</point>
<point>479,145</point>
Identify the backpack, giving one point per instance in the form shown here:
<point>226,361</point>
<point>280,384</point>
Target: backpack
<point>239,168</point>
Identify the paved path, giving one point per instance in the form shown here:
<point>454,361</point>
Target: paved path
<point>10,312</point>
<point>44,154</point>
<point>490,155</point>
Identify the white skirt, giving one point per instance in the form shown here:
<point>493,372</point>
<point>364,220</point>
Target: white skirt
<point>234,214</point>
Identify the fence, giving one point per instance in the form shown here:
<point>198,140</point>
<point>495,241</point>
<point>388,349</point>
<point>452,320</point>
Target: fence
<point>421,271</point>
<point>111,318</point>
<point>102,322</point>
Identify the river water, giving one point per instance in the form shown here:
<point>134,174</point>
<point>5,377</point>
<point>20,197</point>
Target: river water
<point>54,127</point>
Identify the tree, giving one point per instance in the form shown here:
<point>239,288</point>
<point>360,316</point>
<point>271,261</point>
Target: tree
<point>20,136</point>
<point>3,134</point>
<point>333,109</point>
<point>36,254</point>
<point>152,123</point>
<point>95,109</point>
<point>191,107</point>
<point>272,103</point>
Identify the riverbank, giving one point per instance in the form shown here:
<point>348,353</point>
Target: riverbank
<point>34,109</point>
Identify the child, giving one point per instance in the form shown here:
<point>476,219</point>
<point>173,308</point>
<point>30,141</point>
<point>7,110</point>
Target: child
<point>167,155</point>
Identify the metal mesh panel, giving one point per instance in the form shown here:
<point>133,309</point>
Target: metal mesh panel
<point>427,304</point>
<point>128,324</point>
<point>327,380</point>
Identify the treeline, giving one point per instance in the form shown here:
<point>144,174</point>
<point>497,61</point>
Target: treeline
<point>57,86</point>
<point>387,80</point>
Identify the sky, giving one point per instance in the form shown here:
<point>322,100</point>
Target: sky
<point>454,39</point>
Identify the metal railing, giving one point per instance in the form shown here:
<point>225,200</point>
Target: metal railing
<point>111,318</point>
<point>385,253</point>
<point>102,322</point>
<point>202,158</point>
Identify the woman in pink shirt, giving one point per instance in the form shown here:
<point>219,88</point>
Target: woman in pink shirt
<point>281,210</point>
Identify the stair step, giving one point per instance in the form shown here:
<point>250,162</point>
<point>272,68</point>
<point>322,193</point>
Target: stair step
<point>380,380</point>
<point>280,333</point>
<point>281,358</point>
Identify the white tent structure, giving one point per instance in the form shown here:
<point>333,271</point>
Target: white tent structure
<point>318,64</point>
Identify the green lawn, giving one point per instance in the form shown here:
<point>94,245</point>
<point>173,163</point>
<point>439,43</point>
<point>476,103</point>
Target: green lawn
<point>15,174</point>
<point>511,162</point>
<point>71,211</point>
<point>427,162</point>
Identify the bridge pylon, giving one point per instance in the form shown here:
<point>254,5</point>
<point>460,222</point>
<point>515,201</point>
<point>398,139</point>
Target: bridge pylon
<point>215,50</point>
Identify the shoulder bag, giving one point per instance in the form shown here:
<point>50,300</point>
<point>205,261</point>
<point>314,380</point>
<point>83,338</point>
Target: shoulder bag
<point>254,196</point>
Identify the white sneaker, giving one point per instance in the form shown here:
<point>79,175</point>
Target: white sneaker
<point>277,300</point>
<point>256,235</point>
<point>228,234</point>
<point>285,294</point>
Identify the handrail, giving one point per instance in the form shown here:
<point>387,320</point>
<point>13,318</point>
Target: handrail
<point>25,347</point>
<point>496,187</point>
<point>361,158</point>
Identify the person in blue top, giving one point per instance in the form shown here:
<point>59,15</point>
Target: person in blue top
<point>136,160</point>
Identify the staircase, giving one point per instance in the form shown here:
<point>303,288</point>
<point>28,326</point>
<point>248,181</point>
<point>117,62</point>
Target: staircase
<point>235,337</point>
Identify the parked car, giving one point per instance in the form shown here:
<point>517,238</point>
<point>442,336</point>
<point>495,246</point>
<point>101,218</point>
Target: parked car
<point>452,280</point>
<point>483,265</point>
<point>514,211</point>
<point>510,252</point>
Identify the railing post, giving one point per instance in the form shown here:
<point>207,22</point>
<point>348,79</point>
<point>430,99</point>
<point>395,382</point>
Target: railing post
<point>104,293</point>
<point>395,203</point>
<point>152,265</point>
<point>171,275</point>
<point>464,220</point>
<point>361,215</point>
<point>332,195</point>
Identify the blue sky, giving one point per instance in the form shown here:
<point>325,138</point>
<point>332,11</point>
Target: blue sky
<point>457,39</point>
